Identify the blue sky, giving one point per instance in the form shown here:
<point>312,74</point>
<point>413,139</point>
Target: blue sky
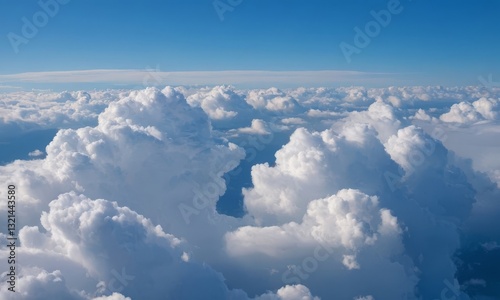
<point>428,42</point>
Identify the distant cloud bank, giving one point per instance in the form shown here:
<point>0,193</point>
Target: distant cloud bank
<point>249,78</point>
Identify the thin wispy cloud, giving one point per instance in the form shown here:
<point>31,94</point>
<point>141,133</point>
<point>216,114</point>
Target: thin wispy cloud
<point>148,77</point>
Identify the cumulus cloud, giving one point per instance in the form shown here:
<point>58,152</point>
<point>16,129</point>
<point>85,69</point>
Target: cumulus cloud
<point>292,121</point>
<point>462,112</point>
<point>36,153</point>
<point>23,111</point>
<point>273,100</point>
<point>216,102</point>
<point>362,180</point>
<point>98,237</point>
<point>379,115</point>
<point>369,297</point>
<point>114,296</point>
<point>486,107</point>
<point>114,244</point>
<point>422,115</point>
<point>409,147</point>
<point>373,152</point>
<point>149,145</point>
<point>258,127</point>
<point>346,222</point>
<point>316,113</point>
<point>290,292</point>
<point>119,249</point>
<point>40,284</point>
<point>466,113</point>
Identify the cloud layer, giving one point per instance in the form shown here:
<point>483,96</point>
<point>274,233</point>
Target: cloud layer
<point>369,193</point>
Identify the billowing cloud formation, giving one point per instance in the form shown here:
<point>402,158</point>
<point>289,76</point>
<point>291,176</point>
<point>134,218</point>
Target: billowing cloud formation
<point>368,195</point>
<point>348,220</point>
<point>313,165</point>
<point>37,110</point>
<point>290,292</point>
<point>40,284</point>
<point>465,112</point>
<point>44,109</point>
<point>108,160</point>
<point>272,100</point>
<point>93,160</point>
<point>217,102</point>
<point>258,127</point>
<point>98,236</point>
<point>370,151</point>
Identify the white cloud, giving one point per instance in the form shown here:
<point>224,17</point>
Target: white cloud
<point>394,101</point>
<point>486,107</point>
<point>410,148</point>
<point>25,111</point>
<point>36,153</point>
<point>290,292</point>
<point>462,112</point>
<point>120,250</point>
<point>422,115</point>
<point>216,102</point>
<point>357,189</point>
<point>316,113</point>
<point>467,113</point>
<point>272,99</point>
<point>292,121</point>
<point>347,222</point>
<point>379,115</point>
<point>39,284</point>
<point>369,297</point>
<point>148,145</point>
<point>350,262</point>
<point>114,244</point>
<point>258,127</point>
<point>114,296</point>
<point>158,77</point>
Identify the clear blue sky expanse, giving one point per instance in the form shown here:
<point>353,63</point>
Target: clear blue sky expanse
<point>429,41</point>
